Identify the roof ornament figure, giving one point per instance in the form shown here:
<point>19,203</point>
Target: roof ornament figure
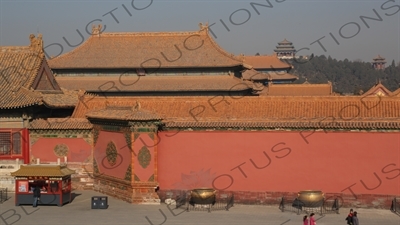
<point>96,30</point>
<point>137,106</point>
<point>81,92</point>
<point>36,44</point>
<point>242,57</point>
<point>203,27</point>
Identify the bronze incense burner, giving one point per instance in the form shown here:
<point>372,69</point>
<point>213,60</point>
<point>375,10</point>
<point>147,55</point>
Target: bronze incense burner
<point>202,196</point>
<point>311,198</point>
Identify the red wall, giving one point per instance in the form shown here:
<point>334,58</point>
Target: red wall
<point>79,149</point>
<point>331,162</point>
<point>144,174</point>
<point>123,160</point>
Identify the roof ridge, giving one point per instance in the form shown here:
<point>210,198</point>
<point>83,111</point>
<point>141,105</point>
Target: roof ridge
<point>143,77</point>
<point>245,98</point>
<point>377,86</point>
<point>6,49</point>
<point>395,92</point>
<point>306,85</point>
<point>255,56</point>
<point>56,119</point>
<point>72,51</point>
<point>155,33</point>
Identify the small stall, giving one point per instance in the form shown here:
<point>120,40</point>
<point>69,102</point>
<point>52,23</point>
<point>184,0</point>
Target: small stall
<point>54,182</point>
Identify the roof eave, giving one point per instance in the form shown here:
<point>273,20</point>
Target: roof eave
<point>150,67</point>
<point>172,91</point>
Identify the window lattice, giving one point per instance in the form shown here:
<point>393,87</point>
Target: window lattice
<point>5,143</point>
<point>16,140</point>
<point>10,143</point>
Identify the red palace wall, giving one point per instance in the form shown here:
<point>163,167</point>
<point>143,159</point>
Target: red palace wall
<point>144,174</point>
<point>334,162</point>
<point>123,159</point>
<point>78,149</point>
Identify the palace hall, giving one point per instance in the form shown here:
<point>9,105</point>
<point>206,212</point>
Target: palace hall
<point>141,115</point>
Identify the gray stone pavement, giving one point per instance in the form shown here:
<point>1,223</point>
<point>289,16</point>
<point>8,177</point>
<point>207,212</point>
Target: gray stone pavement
<point>119,212</point>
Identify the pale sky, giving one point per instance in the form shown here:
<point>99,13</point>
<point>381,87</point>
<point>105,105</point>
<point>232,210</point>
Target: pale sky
<point>252,27</point>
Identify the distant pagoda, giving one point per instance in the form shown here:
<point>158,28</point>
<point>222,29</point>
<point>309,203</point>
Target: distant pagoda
<point>285,50</point>
<point>379,63</point>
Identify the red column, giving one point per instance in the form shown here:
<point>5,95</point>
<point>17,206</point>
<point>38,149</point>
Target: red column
<point>26,145</point>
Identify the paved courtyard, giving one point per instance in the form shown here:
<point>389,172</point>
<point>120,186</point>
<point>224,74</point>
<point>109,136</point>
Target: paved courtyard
<point>119,212</point>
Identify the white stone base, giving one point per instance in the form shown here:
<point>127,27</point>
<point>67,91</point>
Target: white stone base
<point>170,201</point>
<point>151,201</point>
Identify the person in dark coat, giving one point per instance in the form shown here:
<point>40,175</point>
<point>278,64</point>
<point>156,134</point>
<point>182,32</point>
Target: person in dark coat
<point>355,219</point>
<point>349,217</point>
<point>36,196</point>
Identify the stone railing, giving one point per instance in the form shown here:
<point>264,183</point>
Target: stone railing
<point>6,168</point>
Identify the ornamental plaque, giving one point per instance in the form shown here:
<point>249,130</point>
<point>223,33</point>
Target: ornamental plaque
<point>61,150</point>
<point>111,153</point>
<point>144,157</point>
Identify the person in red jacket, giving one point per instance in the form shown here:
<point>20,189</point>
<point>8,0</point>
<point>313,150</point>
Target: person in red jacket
<point>349,217</point>
<point>305,220</point>
<point>312,219</point>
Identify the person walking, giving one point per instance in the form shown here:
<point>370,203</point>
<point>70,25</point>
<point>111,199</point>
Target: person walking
<point>312,219</point>
<point>305,220</point>
<point>355,219</point>
<point>36,196</point>
<point>349,217</point>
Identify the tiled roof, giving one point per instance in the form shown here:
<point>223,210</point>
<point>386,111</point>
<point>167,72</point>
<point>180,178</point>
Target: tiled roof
<point>271,62</point>
<point>60,124</point>
<point>154,83</point>
<point>147,50</point>
<point>378,89</point>
<point>25,76</point>
<point>291,124</point>
<point>19,67</point>
<point>285,42</point>
<point>270,111</point>
<point>134,113</point>
<point>18,99</point>
<point>379,58</point>
<point>43,170</point>
<point>256,75</point>
<point>60,100</point>
<point>282,49</point>
<point>396,93</point>
<point>298,90</point>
